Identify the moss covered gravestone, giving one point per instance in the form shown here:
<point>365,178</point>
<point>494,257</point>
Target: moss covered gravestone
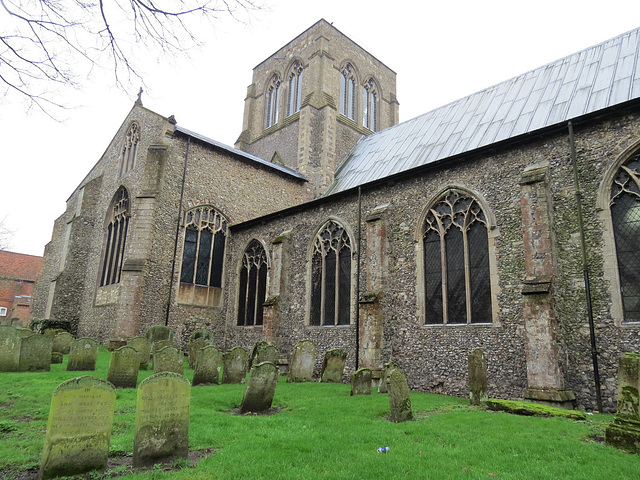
<point>143,346</point>
<point>361,382</point>
<point>157,333</point>
<point>9,348</point>
<point>624,431</point>
<point>302,362</point>
<point>35,353</point>
<point>79,427</point>
<point>333,365</point>
<point>82,355</point>
<point>264,352</point>
<point>162,419</point>
<point>263,380</point>
<point>123,367</point>
<point>477,378</point>
<point>168,359</point>
<point>399,399</point>
<point>208,366</point>
<point>386,368</point>
<point>62,342</point>
<point>235,365</point>
<point>194,347</point>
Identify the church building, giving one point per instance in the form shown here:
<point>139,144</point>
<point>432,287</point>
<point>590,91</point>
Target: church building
<point>508,220</point>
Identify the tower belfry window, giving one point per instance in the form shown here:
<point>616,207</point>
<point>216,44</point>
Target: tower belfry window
<point>347,92</point>
<point>273,101</point>
<point>295,89</point>
<point>370,106</point>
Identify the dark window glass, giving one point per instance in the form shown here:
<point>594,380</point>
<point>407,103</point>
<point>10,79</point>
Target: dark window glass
<point>253,285</point>
<point>218,260</point>
<point>204,255</point>
<point>433,278</point>
<point>316,288</point>
<point>479,273</point>
<point>456,292</point>
<point>115,240</point>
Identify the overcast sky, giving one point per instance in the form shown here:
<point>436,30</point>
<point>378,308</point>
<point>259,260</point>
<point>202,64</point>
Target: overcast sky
<point>441,51</point>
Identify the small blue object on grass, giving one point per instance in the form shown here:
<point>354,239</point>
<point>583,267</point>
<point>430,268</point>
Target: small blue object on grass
<point>383,449</point>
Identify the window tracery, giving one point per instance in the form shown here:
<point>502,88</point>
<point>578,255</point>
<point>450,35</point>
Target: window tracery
<point>370,106</point>
<point>273,101</point>
<point>129,149</point>
<point>116,237</point>
<point>295,89</point>
<point>347,92</point>
<point>253,285</point>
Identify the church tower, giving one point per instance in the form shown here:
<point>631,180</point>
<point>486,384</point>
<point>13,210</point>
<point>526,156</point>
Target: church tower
<point>312,100</point>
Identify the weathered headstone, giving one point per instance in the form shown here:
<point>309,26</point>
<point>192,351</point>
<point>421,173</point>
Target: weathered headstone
<point>123,367</point>
<point>62,342</point>
<point>159,345</point>
<point>79,427</point>
<point>201,333</point>
<point>399,397</point>
<point>156,333</point>
<point>162,419</point>
<point>168,359</point>
<point>208,366</point>
<point>143,346</point>
<point>194,348</point>
<point>56,357</point>
<point>624,431</point>
<point>235,365</point>
<point>35,353</point>
<point>477,377</point>
<point>82,355</point>
<point>333,365</point>
<point>386,368</point>
<point>9,348</point>
<point>302,362</point>
<point>115,343</point>
<point>263,380</point>
<point>361,382</point>
<point>264,352</point>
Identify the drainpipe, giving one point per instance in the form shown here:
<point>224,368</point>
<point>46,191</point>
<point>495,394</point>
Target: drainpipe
<point>175,244</point>
<point>358,279</point>
<point>585,269</point>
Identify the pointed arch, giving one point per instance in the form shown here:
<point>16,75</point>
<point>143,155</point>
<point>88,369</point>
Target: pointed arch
<point>348,82</point>
<point>273,100</point>
<point>116,227</point>
<point>130,148</point>
<point>370,102</point>
<point>252,284</point>
<point>294,88</point>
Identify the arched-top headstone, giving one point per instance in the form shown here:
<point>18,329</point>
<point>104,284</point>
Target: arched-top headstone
<point>123,367</point>
<point>235,365</point>
<point>82,355</point>
<point>9,348</point>
<point>194,347</point>
<point>264,352</point>
<point>201,333</point>
<point>35,353</point>
<point>156,333</point>
<point>143,346</point>
<point>62,342</point>
<point>399,397</point>
<point>361,382</point>
<point>333,365</point>
<point>303,361</point>
<point>168,359</point>
<point>79,427</point>
<point>258,396</point>
<point>208,366</point>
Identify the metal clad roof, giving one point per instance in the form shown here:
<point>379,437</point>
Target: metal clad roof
<point>593,79</point>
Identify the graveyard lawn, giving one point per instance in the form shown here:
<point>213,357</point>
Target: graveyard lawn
<point>317,430</point>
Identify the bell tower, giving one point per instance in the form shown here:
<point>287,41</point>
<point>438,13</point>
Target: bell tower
<point>312,100</point>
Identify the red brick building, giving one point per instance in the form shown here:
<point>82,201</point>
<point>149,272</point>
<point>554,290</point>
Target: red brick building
<point>18,274</point>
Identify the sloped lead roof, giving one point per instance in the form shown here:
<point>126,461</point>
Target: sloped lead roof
<point>585,82</point>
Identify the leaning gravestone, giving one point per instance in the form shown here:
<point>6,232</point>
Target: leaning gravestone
<point>477,377</point>
<point>235,365</point>
<point>624,431</point>
<point>9,348</point>
<point>162,419</point>
<point>386,368</point>
<point>333,365</point>
<point>62,342</point>
<point>79,427</point>
<point>361,382</point>
<point>168,359</point>
<point>208,366</point>
<point>258,396</point>
<point>399,399</point>
<point>194,348</point>
<point>123,367</point>
<point>159,332</point>
<point>302,362</point>
<point>143,346</point>
<point>35,353</point>
<point>83,355</point>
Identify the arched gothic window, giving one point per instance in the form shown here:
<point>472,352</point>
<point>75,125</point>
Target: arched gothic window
<point>456,261</point>
<point>273,101</point>
<point>253,285</point>
<point>204,242</point>
<point>295,89</point>
<point>331,276</point>
<point>129,149</point>
<point>347,92</point>
<point>116,237</point>
<point>625,216</point>
<point>370,106</point>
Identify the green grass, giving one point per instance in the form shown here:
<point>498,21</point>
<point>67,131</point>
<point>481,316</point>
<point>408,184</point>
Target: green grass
<point>323,432</point>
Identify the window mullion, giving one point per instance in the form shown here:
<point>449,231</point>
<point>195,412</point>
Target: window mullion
<point>443,260</point>
<point>467,271</point>
<point>336,297</point>
<point>195,263</point>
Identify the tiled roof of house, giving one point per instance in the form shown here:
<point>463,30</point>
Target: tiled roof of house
<point>602,76</point>
<point>18,266</point>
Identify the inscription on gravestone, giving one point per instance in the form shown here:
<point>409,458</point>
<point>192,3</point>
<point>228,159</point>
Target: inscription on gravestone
<point>83,355</point>
<point>79,427</point>
<point>302,362</point>
<point>162,419</point>
<point>123,367</point>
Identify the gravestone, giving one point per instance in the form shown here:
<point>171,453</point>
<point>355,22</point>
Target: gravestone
<point>201,333</point>
<point>194,348</point>
<point>333,365</point>
<point>158,346</point>
<point>361,382</point>
<point>143,346</point>
<point>235,365</point>
<point>82,355</point>
<point>35,353</point>
<point>477,377</point>
<point>624,431</point>
<point>302,362</point>
<point>399,397</point>
<point>386,368</point>
<point>157,333</point>
<point>79,427</point>
<point>9,348</point>
<point>263,352</point>
<point>208,366</point>
<point>62,342</point>
<point>263,380</point>
<point>168,359</point>
<point>56,357</point>
<point>123,367</point>
<point>162,419</point>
